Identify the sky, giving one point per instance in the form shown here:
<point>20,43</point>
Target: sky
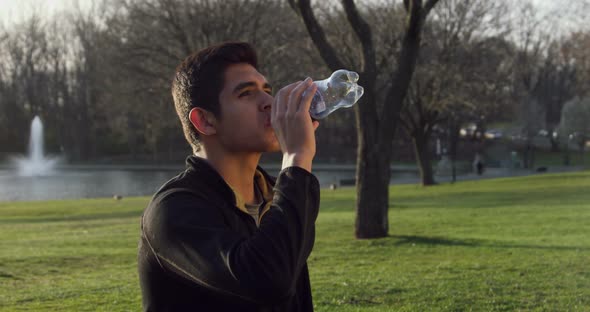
<point>564,14</point>
<point>16,10</point>
<point>558,12</point>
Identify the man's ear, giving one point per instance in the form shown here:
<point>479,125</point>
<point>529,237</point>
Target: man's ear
<point>203,121</point>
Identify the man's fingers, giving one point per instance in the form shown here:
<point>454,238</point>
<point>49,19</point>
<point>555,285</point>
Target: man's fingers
<point>295,97</point>
<point>280,103</point>
<point>316,124</point>
<point>306,101</point>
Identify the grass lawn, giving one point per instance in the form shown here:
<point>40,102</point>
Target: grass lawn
<point>494,245</point>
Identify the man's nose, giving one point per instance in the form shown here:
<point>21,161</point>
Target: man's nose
<point>266,104</point>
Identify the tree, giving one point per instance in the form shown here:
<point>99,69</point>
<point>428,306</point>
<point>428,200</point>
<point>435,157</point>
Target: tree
<point>461,44</point>
<point>557,86</point>
<point>548,71</point>
<point>574,52</point>
<point>418,119</point>
<point>26,56</point>
<point>529,71</point>
<point>85,109</point>
<point>574,125</point>
<point>376,122</point>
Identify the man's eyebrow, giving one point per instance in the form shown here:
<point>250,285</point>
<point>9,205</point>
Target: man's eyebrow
<point>247,84</point>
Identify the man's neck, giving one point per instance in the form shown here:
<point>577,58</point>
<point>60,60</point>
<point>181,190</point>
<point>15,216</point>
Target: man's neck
<point>237,170</point>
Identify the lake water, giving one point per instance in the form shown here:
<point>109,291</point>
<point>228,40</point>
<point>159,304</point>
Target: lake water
<point>92,182</point>
<point>69,184</point>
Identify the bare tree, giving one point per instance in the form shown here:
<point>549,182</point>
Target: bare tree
<point>575,52</point>
<point>575,123</point>
<point>88,53</point>
<point>375,127</point>
<point>25,59</point>
<point>459,45</point>
<point>556,86</point>
<point>529,71</point>
<point>418,119</point>
<point>8,105</point>
<point>548,71</point>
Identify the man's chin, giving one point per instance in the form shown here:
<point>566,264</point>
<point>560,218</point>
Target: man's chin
<point>274,149</point>
<point>273,145</point>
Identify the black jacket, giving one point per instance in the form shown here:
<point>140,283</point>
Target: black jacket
<point>199,252</point>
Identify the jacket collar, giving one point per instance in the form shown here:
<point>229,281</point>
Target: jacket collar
<point>202,168</point>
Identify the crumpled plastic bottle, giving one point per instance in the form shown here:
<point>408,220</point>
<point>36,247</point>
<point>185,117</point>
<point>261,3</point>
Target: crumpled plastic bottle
<point>339,90</point>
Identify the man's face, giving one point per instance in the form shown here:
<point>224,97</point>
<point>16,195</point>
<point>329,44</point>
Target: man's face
<point>245,103</point>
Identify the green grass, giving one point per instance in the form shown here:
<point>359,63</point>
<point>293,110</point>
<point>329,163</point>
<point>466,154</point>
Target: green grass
<point>494,245</point>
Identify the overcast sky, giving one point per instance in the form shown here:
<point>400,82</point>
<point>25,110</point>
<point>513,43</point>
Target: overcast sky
<point>15,10</point>
<point>559,12</point>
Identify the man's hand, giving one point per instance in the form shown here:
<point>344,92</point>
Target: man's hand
<point>293,125</point>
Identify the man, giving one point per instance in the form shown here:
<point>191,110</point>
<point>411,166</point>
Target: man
<point>222,235</point>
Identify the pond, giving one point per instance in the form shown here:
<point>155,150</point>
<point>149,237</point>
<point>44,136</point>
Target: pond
<point>104,181</point>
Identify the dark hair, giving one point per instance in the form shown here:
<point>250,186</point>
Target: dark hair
<point>199,79</point>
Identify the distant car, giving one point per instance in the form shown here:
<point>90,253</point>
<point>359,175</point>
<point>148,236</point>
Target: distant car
<point>493,134</point>
<point>469,130</point>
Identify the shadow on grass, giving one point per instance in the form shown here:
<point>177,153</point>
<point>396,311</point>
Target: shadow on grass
<point>426,240</point>
<point>7,275</point>
<point>67,218</point>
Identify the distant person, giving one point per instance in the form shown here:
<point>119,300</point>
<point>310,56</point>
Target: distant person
<point>478,165</point>
<point>224,235</point>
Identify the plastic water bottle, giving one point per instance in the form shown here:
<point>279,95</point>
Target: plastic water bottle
<point>339,90</point>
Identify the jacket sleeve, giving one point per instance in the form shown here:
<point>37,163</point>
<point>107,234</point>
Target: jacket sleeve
<point>190,238</point>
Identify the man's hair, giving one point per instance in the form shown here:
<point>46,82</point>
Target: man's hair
<point>199,79</point>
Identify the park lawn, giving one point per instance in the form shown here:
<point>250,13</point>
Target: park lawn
<point>489,245</point>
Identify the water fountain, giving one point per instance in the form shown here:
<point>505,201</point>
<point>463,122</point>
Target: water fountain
<point>36,176</point>
<point>35,163</point>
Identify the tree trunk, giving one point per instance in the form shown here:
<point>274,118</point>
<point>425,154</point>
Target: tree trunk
<point>529,155</point>
<point>373,172</point>
<point>423,158</point>
<point>554,143</point>
<point>372,204</point>
<point>566,155</point>
<point>532,156</point>
<point>454,129</point>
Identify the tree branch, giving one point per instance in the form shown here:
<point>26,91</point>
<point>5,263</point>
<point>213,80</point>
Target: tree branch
<point>363,32</point>
<point>303,8</point>
<point>428,7</point>
<point>406,63</point>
